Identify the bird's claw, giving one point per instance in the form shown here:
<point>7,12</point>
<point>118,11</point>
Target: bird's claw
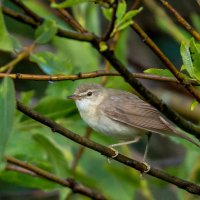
<point>115,154</point>
<point>148,167</point>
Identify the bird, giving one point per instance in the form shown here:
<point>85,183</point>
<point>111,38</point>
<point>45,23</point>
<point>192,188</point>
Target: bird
<point>120,114</point>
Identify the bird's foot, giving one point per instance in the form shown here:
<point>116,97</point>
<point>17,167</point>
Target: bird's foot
<point>148,167</point>
<point>115,153</point>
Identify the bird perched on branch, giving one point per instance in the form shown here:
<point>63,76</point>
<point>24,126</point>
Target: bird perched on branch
<point>119,114</point>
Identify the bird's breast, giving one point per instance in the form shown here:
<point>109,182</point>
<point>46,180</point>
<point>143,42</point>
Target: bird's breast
<point>98,120</point>
<point>101,123</point>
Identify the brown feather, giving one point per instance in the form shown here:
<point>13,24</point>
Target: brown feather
<point>131,110</point>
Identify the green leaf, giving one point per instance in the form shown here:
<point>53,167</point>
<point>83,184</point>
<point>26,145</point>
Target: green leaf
<point>186,58</point>
<point>16,44</point>
<point>46,31</point>
<point>160,72</point>
<point>130,14</point>
<point>16,178</point>
<point>183,67</point>
<point>103,46</point>
<point>51,63</point>
<point>121,9</point>
<point>107,12</point>
<point>193,105</point>
<point>56,155</point>
<point>26,97</point>
<point>6,43</point>
<point>126,20</point>
<point>92,22</point>
<point>70,3</point>
<point>195,57</point>
<point>190,52</point>
<point>7,112</point>
<point>87,56</point>
<point>196,21</point>
<point>124,25</point>
<point>59,107</point>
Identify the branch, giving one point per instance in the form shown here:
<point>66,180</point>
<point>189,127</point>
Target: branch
<point>181,20</point>
<point>195,93</point>
<point>19,17</point>
<point>69,19</point>
<point>21,55</point>
<point>11,167</point>
<point>94,74</point>
<point>148,96</point>
<point>186,185</point>
<point>113,19</point>
<point>28,11</point>
<point>71,183</point>
<point>61,32</point>
<point>135,4</point>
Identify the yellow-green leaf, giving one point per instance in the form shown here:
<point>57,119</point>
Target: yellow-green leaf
<point>193,105</point>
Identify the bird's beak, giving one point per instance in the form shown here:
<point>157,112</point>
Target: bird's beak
<point>73,97</point>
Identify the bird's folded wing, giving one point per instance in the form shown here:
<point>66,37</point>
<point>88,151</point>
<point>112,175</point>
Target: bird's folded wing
<point>133,111</point>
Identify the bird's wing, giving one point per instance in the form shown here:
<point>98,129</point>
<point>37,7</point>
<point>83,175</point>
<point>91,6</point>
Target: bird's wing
<point>131,110</point>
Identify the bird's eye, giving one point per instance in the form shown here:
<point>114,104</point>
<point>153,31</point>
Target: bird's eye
<point>89,94</point>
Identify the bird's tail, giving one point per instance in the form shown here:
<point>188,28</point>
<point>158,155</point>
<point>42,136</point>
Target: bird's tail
<point>179,133</point>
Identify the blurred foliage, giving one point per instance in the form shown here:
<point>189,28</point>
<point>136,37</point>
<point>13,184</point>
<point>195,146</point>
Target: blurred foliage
<point>32,142</point>
<point>7,113</point>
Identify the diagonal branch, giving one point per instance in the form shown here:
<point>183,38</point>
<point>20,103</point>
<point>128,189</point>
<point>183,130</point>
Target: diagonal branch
<point>186,185</point>
<point>113,19</point>
<point>71,183</point>
<point>192,90</point>
<point>20,56</point>
<point>69,19</point>
<point>28,11</point>
<point>148,96</point>
<point>61,32</point>
<point>19,17</point>
<point>181,20</point>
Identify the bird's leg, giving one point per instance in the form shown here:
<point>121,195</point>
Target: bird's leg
<point>145,153</point>
<point>136,139</point>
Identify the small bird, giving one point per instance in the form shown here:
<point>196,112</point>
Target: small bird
<point>120,114</point>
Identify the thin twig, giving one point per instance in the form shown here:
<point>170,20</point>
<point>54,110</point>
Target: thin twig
<point>71,183</point>
<point>193,91</point>
<point>181,20</point>
<point>186,185</point>
<point>148,96</point>
<point>11,167</point>
<point>107,67</point>
<point>135,4</point>
<point>22,18</point>
<point>69,19</point>
<point>28,11</point>
<point>61,32</point>
<point>94,74</point>
<point>160,15</point>
<point>20,56</point>
<point>191,187</point>
<point>113,19</point>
